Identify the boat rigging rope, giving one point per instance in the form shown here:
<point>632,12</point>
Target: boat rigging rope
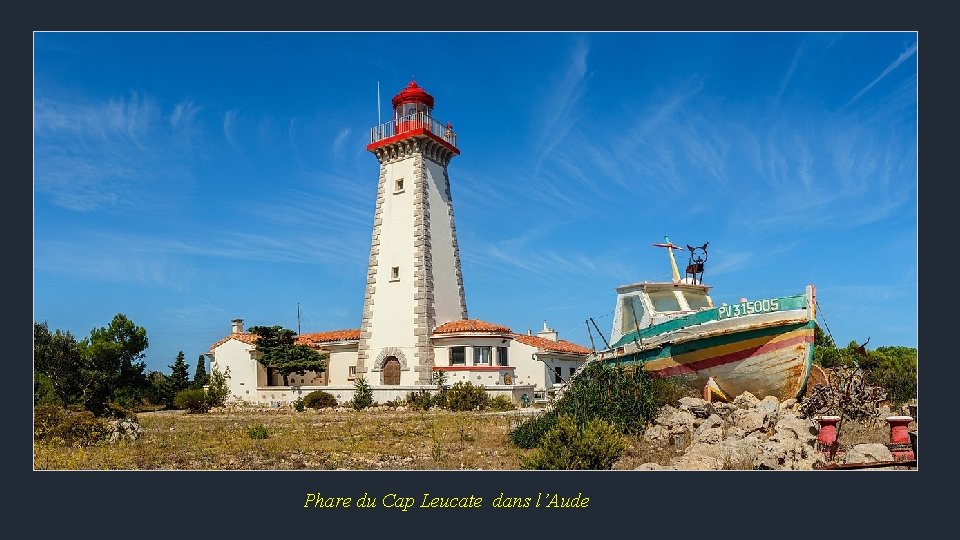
<point>826,326</point>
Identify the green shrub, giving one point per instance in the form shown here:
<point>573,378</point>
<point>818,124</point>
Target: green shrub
<point>626,399</point>
<point>318,399</point>
<point>531,431</point>
<point>421,400</point>
<point>44,392</point>
<point>595,445</point>
<point>257,431</point>
<point>894,369</point>
<point>501,403</point>
<point>118,411</point>
<point>192,399</point>
<point>464,396</point>
<point>74,427</point>
<point>217,390</point>
<point>298,405</point>
<point>362,395</point>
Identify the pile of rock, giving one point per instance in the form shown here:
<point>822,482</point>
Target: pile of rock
<point>748,433</point>
<point>127,429</point>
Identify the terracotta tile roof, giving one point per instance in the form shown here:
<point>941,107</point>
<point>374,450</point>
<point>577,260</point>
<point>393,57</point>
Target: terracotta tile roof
<point>352,334</point>
<point>469,325</point>
<point>245,337</point>
<point>550,345</point>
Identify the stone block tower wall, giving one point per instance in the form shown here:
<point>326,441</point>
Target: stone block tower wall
<point>414,279</point>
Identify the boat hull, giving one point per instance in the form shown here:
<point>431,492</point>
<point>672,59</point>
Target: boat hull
<point>767,354</point>
<point>763,364</point>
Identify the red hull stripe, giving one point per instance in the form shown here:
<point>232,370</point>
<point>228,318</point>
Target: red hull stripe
<point>722,359</point>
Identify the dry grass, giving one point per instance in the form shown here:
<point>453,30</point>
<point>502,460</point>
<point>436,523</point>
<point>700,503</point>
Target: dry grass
<point>325,439</point>
<point>639,452</point>
<point>853,432</point>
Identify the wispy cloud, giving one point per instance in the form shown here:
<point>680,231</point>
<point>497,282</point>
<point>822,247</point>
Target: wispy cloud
<point>558,111</point>
<point>112,154</point>
<point>789,75</point>
<point>107,264</point>
<point>230,127</point>
<point>725,263</point>
<point>893,65</point>
<point>183,114</point>
<point>338,142</point>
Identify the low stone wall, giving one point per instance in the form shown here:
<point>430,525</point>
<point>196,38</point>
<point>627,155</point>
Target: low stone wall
<point>277,396</point>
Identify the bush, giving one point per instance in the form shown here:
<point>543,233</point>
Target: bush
<point>894,369</point>
<point>501,403</point>
<point>531,431</point>
<point>595,445</point>
<point>422,400</point>
<point>192,399</point>
<point>118,411</point>
<point>318,399</point>
<point>74,427</point>
<point>299,405</point>
<point>362,395</point>
<point>44,392</point>
<point>217,390</point>
<point>464,396</point>
<point>257,431</point>
<point>626,399</point>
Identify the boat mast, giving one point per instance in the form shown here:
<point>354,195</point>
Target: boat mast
<point>673,262</point>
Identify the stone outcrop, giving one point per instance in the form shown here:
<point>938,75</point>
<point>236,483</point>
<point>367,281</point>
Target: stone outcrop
<point>868,453</point>
<point>749,433</point>
<point>127,429</point>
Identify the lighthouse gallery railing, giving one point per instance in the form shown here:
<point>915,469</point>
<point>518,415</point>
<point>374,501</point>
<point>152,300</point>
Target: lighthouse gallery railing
<point>420,120</point>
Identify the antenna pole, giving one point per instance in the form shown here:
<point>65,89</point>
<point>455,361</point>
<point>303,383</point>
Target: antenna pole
<point>636,323</point>
<point>590,333</point>
<point>378,103</point>
<point>605,342</point>
<point>673,262</point>
<point>298,318</point>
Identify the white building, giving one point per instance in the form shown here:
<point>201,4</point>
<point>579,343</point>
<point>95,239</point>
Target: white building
<point>414,322</point>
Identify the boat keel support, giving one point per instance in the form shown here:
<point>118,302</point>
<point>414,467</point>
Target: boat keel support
<point>712,389</point>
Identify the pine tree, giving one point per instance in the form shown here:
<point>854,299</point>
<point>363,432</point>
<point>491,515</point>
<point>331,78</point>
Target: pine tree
<point>200,377</point>
<point>178,380</point>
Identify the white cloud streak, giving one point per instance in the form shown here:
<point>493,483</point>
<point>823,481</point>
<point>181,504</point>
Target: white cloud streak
<point>893,65</point>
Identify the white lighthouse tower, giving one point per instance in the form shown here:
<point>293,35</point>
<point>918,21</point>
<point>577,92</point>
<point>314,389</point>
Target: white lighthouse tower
<point>414,281</point>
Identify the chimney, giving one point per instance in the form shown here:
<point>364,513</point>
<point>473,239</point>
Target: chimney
<point>236,326</point>
<point>548,333</point>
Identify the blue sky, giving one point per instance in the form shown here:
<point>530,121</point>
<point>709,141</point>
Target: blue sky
<point>186,179</point>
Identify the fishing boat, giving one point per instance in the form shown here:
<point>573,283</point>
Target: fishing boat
<point>762,346</point>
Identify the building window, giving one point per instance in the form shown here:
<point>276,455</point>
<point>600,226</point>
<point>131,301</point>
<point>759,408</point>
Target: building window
<point>556,375</point>
<point>481,356</point>
<point>352,373</point>
<point>458,356</point>
<point>398,186</point>
<point>502,356</point>
<point>395,273</point>
<point>572,370</point>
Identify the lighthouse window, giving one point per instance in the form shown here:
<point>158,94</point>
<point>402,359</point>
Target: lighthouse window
<point>398,186</point>
<point>395,273</point>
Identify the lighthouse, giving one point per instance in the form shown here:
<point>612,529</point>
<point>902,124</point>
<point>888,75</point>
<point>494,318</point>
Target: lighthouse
<point>414,281</point>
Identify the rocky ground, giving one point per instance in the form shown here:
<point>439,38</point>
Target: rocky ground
<point>749,433</point>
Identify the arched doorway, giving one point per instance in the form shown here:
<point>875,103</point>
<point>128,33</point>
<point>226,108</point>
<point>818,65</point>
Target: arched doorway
<point>391,370</point>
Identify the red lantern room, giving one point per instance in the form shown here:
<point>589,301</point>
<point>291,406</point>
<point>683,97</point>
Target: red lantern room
<point>413,117</point>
